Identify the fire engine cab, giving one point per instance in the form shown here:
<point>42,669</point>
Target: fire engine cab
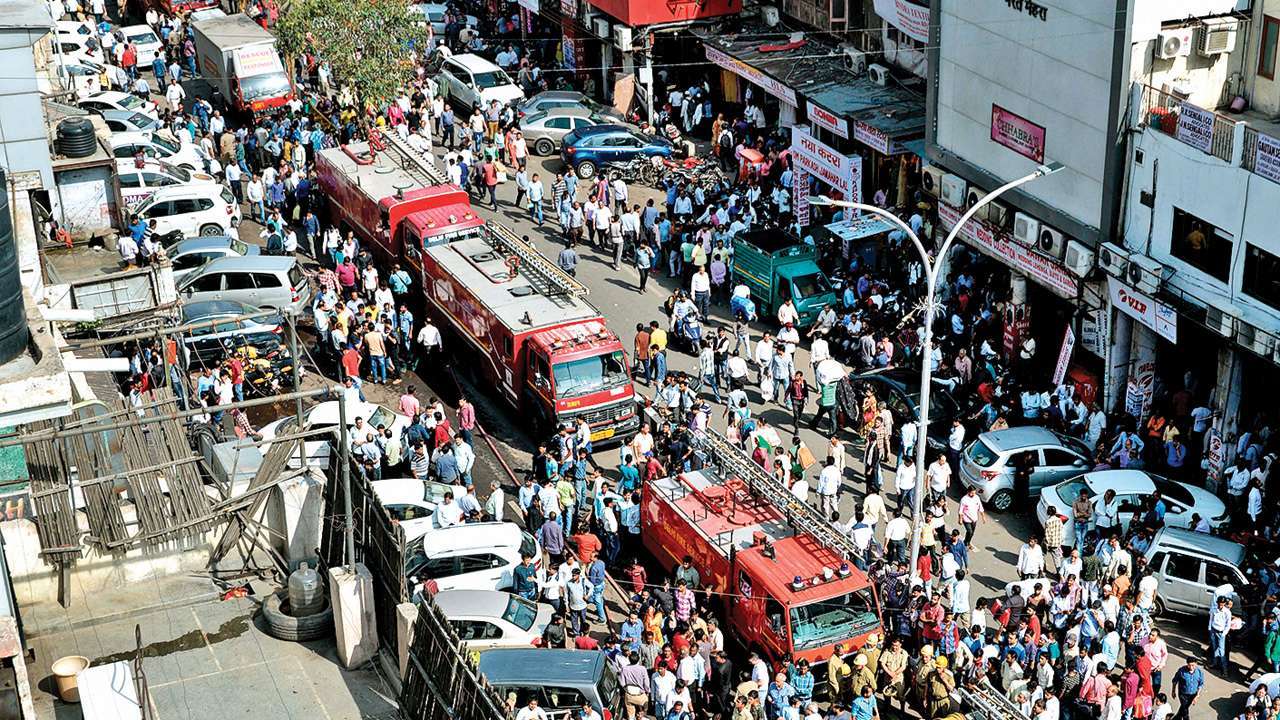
<point>789,586</point>
<point>534,335</point>
<point>395,201</point>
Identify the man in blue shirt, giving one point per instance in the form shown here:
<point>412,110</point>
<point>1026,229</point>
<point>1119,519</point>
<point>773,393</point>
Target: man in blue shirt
<point>1187,683</point>
<point>778,697</point>
<point>631,631</point>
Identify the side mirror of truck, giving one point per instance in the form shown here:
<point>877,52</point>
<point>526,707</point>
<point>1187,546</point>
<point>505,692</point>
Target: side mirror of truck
<point>540,382</point>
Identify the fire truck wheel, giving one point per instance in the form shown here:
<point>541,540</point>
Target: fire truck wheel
<point>544,146</point>
<point>282,625</point>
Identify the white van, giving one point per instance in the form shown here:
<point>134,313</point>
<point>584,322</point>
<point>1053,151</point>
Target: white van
<point>198,209</point>
<point>155,145</point>
<point>472,80</point>
<point>139,181</point>
<point>473,556</point>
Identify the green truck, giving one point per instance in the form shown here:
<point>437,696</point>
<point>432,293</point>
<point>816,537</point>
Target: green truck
<point>776,265</point>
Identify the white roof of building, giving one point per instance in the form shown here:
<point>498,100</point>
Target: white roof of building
<point>25,14</point>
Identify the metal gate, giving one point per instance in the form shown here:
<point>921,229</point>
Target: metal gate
<point>441,680</point>
<point>379,544</point>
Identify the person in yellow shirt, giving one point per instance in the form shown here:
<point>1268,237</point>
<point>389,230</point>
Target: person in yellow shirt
<point>838,672</point>
<point>657,336</point>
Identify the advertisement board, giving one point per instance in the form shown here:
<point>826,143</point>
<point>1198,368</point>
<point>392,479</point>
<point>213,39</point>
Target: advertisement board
<point>826,119</point>
<point>910,17</point>
<point>1145,309</point>
<point>842,172</point>
<point>736,66</point>
<point>1017,133</point>
<point>1049,273</point>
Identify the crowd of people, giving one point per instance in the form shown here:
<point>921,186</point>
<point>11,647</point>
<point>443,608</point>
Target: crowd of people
<point>1077,637</point>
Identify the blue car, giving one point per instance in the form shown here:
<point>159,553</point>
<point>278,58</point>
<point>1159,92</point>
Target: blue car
<point>586,149</point>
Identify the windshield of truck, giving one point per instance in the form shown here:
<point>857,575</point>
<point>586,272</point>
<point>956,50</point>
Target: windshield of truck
<point>829,621</point>
<point>492,79</point>
<point>589,374</point>
<point>257,87</point>
<point>810,285</point>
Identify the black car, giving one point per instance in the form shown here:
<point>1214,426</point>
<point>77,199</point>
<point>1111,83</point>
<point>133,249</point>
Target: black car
<point>209,345</point>
<point>899,388</point>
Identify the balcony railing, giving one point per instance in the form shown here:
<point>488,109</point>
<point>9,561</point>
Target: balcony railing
<point>1163,111</point>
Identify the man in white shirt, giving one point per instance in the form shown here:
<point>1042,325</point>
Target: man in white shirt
<point>939,478</point>
<point>895,537</point>
<point>904,482</point>
<point>448,513</point>
<point>960,594</point>
<point>1030,559</point>
<point>829,488</point>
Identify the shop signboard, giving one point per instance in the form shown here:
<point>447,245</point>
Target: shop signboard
<point>1215,455</point>
<point>841,172</point>
<point>826,119</point>
<point>1017,133</point>
<point>736,66</point>
<point>871,137</point>
<point>1267,162</point>
<point>982,236</point>
<point>1195,127</point>
<point>800,197</point>
<point>1094,331</point>
<point>1145,309</point>
<point>530,5</point>
<point>908,16</point>
<point>569,8</point>
<point>1064,356</point>
<point>1137,395</point>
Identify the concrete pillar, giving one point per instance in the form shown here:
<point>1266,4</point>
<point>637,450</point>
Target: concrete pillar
<point>606,62</point>
<point>1117,365</point>
<point>1226,398</point>
<point>296,511</point>
<point>355,623</point>
<point>406,618</point>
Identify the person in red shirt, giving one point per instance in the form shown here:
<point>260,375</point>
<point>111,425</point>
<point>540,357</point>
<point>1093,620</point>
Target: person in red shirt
<point>588,547</point>
<point>585,642</point>
<point>235,368</point>
<point>639,577</point>
<point>129,60</point>
<point>351,362</point>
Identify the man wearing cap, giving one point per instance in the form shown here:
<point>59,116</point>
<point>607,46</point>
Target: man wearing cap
<point>940,684</point>
<point>862,676</point>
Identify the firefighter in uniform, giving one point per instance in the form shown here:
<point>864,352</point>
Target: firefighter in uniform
<point>940,684</point>
<point>862,676</point>
<point>838,672</point>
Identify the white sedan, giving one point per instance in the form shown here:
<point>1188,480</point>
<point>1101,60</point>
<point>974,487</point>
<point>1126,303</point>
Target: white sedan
<point>1181,500</point>
<point>412,503</point>
<point>325,414</point>
<point>487,619</point>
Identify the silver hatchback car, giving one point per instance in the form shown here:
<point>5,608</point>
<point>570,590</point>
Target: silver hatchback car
<point>988,463</point>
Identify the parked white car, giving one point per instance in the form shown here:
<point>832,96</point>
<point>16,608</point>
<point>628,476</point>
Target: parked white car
<point>325,414</point>
<point>471,80</point>
<point>486,619</point>
<point>194,209</point>
<point>473,556</point>
<point>116,100</point>
<point>1132,486</point>
<point>139,181</point>
<point>157,146</point>
<point>144,38</point>
<point>412,503</point>
<point>434,13</point>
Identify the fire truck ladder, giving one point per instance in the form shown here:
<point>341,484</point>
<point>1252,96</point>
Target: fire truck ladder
<point>985,701</point>
<point>545,276</point>
<point>404,157</point>
<point>732,462</point>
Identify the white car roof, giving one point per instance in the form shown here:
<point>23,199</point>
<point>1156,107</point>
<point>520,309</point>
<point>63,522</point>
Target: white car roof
<point>130,30</point>
<point>326,413</point>
<point>471,536</point>
<point>111,96</point>
<point>401,491</point>
<point>474,63</point>
<point>472,603</point>
<point>1122,481</point>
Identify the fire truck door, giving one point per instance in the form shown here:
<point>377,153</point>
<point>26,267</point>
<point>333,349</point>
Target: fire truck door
<point>537,389</point>
<point>411,248</point>
<point>748,607</point>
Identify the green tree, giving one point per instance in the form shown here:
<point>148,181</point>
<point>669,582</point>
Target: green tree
<point>368,44</point>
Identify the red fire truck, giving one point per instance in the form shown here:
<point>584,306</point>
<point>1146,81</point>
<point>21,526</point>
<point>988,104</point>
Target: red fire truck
<point>394,201</point>
<point>789,587</point>
<point>535,337</point>
<point>532,333</point>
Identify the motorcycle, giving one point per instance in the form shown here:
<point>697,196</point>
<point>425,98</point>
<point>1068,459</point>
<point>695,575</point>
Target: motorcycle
<point>266,371</point>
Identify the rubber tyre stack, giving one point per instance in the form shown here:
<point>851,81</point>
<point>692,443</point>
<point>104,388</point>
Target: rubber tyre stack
<point>283,626</point>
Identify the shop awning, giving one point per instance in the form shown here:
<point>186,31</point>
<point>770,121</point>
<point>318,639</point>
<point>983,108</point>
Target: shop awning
<point>883,118</point>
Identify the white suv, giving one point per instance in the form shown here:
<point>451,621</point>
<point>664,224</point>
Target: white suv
<point>208,209</point>
<point>473,556</point>
<point>471,80</point>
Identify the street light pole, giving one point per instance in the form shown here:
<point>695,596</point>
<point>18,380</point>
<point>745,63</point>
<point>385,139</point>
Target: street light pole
<point>933,270</point>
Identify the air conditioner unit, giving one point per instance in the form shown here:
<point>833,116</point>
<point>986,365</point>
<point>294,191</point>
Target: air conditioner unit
<point>953,190</point>
<point>1026,229</point>
<point>1078,258</point>
<point>998,214</point>
<point>973,197</point>
<point>878,73</point>
<point>1216,37</point>
<point>622,37</point>
<point>1145,273</point>
<point>1219,321</point>
<point>769,15</point>
<point>1174,43</point>
<point>931,179</point>
<point>1258,340</point>
<point>855,60</point>
<point>602,27</point>
<point>1113,259</point>
<point>1051,242</point>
